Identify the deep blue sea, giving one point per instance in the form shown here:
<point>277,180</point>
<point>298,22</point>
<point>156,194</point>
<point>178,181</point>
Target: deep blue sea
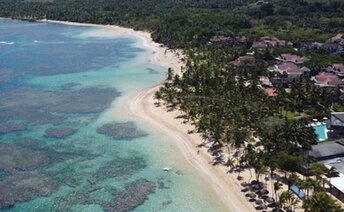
<point>63,144</point>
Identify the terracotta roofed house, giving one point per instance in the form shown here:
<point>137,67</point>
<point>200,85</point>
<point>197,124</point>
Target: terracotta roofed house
<point>336,39</point>
<point>327,80</point>
<point>259,45</point>
<point>243,60</point>
<point>220,38</point>
<point>292,58</point>
<point>270,92</point>
<point>266,41</point>
<point>273,41</point>
<point>336,69</point>
<point>292,70</point>
<point>334,45</point>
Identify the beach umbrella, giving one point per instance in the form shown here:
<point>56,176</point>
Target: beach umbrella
<point>270,200</point>
<point>254,182</point>
<point>272,205</point>
<point>259,202</point>
<point>251,195</point>
<point>245,190</point>
<point>256,186</point>
<point>262,192</point>
<point>262,207</point>
<point>244,184</point>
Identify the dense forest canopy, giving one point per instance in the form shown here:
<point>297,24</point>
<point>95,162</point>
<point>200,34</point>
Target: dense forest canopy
<point>188,22</point>
<point>226,103</point>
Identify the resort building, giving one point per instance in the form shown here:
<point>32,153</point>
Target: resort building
<point>337,121</point>
<point>327,151</point>
<point>265,81</point>
<point>220,38</point>
<point>266,41</point>
<point>327,80</point>
<point>289,69</point>
<point>336,183</point>
<point>332,155</point>
<point>271,92</point>
<point>337,69</point>
<point>291,58</point>
<point>243,60</point>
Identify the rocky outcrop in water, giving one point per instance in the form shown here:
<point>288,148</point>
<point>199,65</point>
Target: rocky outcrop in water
<point>59,132</point>
<point>23,187</point>
<point>12,127</point>
<point>125,130</point>
<point>136,194</point>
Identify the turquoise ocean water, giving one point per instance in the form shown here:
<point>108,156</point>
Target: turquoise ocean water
<point>61,149</point>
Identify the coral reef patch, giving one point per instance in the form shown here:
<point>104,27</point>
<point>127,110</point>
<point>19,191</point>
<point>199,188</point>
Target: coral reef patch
<point>59,132</point>
<point>136,194</point>
<point>23,187</point>
<point>12,127</point>
<point>124,130</point>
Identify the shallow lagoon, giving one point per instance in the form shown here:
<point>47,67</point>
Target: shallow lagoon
<point>57,87</point>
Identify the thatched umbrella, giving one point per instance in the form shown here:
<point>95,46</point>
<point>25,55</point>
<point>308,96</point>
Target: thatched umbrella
<point>272,205</point>
<point>261,207</point>
<point>244,184</point>
<point>251,195</point>
<point>259,202</point>
<point>245,190</point>
<point>254,182</point>
<point>269,200</point>
<point>262,192</point>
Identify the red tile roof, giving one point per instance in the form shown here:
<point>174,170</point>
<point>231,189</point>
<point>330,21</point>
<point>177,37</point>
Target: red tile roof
<point>243,60</point>
<point>328,79</point>
<point>293,58</point>
<point>270,91</point>
<point>289,68</point>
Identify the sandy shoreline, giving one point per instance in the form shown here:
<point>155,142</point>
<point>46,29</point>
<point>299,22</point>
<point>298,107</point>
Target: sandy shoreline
<point>141,105</point>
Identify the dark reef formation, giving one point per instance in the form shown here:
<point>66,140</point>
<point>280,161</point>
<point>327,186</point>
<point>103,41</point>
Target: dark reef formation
<point>68,86</point>
<point>125,130</point>
<point>133,196</point>
<point>59,132</point>
<point>136,194</point>
<point>12,127</point>
<point>44,107</point>
<point>14,158</point>
<point>23,187</point>
<point>118,168</point>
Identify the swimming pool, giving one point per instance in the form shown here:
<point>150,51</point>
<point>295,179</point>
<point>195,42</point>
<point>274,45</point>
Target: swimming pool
<point>320,131</point>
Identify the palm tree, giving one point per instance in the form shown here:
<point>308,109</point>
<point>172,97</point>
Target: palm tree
<point>170,74</point>
<point>308,184</point>
<point>321,202</point>
<point>276,188</point>
<point>288,200</point>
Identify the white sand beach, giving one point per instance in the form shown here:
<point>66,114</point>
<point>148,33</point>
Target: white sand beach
<point>142,106</point>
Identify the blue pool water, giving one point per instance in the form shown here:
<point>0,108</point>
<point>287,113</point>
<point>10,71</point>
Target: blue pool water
<point>321,132</point>
<point>65,144</point>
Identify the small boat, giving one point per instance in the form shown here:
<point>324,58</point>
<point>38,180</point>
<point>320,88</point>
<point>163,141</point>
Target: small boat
<point>167,169</point>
